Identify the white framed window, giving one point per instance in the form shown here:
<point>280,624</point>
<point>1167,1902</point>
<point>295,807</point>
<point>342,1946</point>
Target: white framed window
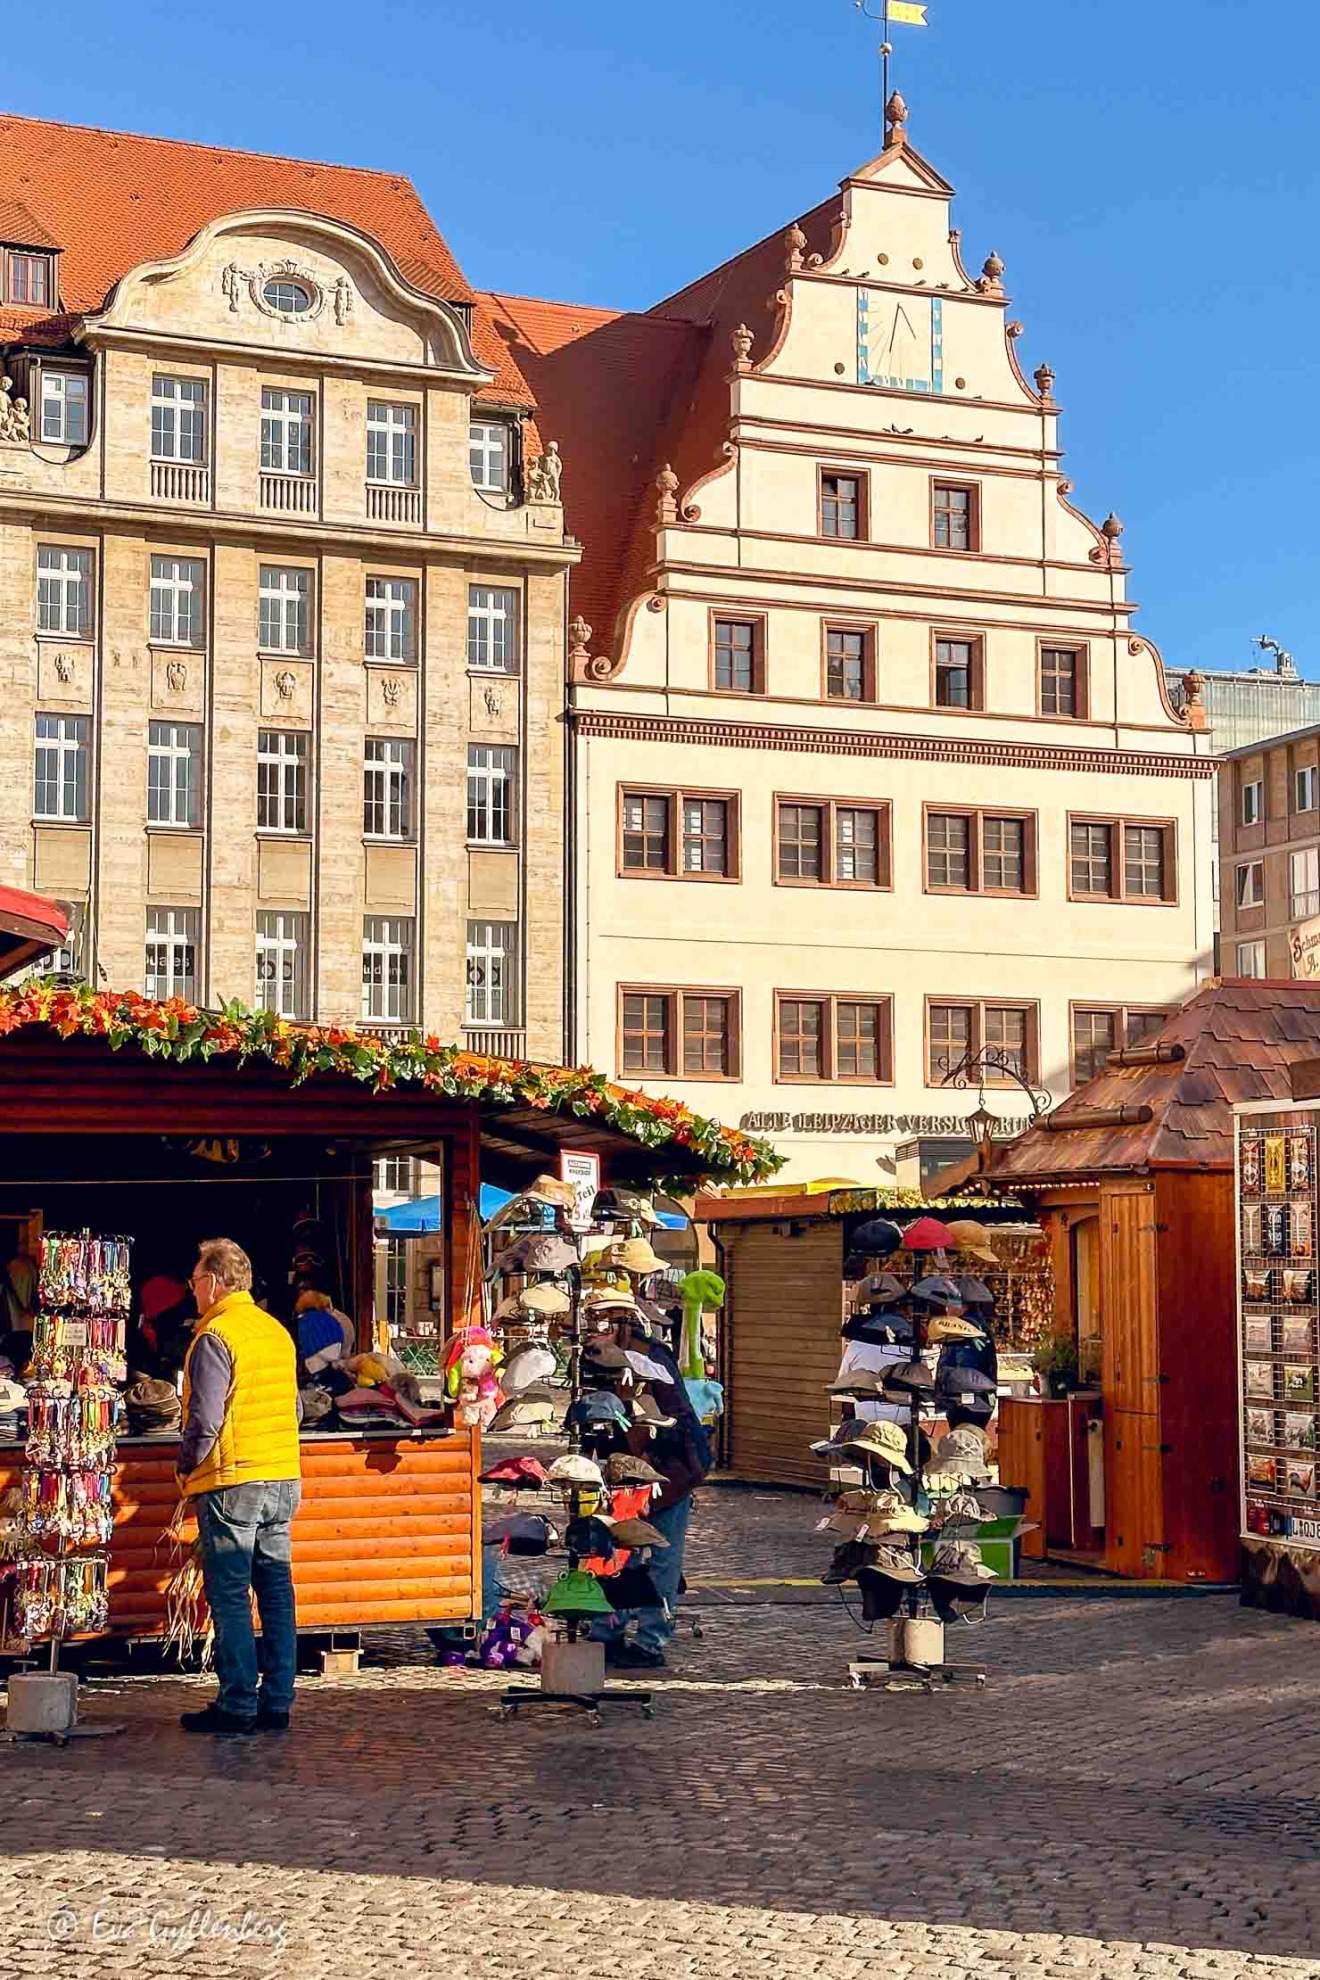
<point>391,629</point>
<point>1253,802</point>
<point>285,596</point>
<point>1304,788</point>
<point>1250,883</point>
<point>391,443</point>
<point>387,788</point>
<point>174,773</point>
<point>492,643</point>
<point>488,455</point>
<point>395,1175</point>
<point>171,969</point>
<point>282,780</point>
<point>1304,882</point>
<point>282,949</point>
<point>64,407</point>
<point>64,590</point>
<point>491,771</point>
<point>61,768</point>
<point>492,969</point>
<point>177,600</point>
<point>178,418</point>
<point>286,431</point>
<point>1251,959</point>
<point>289,298</point>
<point>387,968</point>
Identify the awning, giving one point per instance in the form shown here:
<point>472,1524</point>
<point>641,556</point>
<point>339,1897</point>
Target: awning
<point>30,927</point>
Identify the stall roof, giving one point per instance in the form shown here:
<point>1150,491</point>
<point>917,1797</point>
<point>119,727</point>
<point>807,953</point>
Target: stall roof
<point>1238,1038</point>
<point>806,1200</point>
<point>30,927</point>
<point>528,1113</point>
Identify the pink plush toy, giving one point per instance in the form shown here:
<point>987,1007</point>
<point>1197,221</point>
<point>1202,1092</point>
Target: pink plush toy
<point>471,1381</point>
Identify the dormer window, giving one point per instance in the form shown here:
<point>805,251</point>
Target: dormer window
<point>288,298</point>
<point>30,277</point>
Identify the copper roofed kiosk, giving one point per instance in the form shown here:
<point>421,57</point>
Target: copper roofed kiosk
<point>167,1125</point>
<point>1132,1180</point>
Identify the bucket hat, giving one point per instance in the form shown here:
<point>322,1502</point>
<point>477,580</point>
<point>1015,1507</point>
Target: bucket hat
<point>547,1251</point>
<point>961,1454</point>
<point>590,1537</point>
<point>635,1256</point>
<point>623,1468</point>
<point>524,1412</point>
<point>928,1234</point>
<point>960,1561</point>
<point>975,1292</point>
<point>553,1190</point>
<point>953,1327</point>
<point>637,1533</point>
<point>848,1558</point>
<point>529,1363</point>
<point>577,1594</point>
<point>627,1203</point>
<point>574,1469</point>
<point>885,1441</point>
<point>961,1509</point>
<point>897,1564</point>
<point>967,1235</point>
<point>877,1238</point>
<point>889,1513</point>
<point>545,1298</point>
<point>520,1472</point>
<point>601,1301</point>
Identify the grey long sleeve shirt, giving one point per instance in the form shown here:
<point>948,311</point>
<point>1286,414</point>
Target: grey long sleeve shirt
<point>210,1378</point>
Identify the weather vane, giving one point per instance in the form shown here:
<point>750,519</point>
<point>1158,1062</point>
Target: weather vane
<point>912,13</point>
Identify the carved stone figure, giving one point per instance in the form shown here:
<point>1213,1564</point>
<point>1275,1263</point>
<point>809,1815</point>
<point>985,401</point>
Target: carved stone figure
<point>14,421</point>
<point>343,300</point>
<point>494,701</point>
<point>176,675</point>
<point>544,475</point>
<point>391,689</point>
<point>285,683</point>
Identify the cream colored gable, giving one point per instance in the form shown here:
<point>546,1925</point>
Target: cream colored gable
<point>219,292</point>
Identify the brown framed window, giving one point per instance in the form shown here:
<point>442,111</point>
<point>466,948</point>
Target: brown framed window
<point>30,278</point>
<point>842,504</point>
<point>956,1028</point>
<point>1099,1030</point>
<point>980,852</point>
<point>955,515</point>
<point>1122,859</point>
<point>679,1033</point>
<point>1063,681</point>
<point>678,835</point>
<point>824,1037</point>
<point>736,656</point>
<point>849,673</point>
<point>831,842</point>
<point>959,672</point>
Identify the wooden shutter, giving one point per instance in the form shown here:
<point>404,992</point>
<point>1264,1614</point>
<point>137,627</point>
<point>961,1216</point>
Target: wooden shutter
<point>782,1347</point>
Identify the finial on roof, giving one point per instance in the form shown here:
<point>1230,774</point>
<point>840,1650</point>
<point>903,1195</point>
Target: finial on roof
<point>896,116</point>
<point>666,508</point>
<point>1109,551</point>
<point>742,341</point>
<point>794,241</point>
<point>1112,527</point>
<point>992,276</point>
<point>1044,378</point>
<point>1193,708</point>
<point>579,632</point>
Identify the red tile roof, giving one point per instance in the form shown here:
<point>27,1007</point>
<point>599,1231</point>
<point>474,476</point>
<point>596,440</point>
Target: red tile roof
<point>1240,1037</point>
<point>111,199</point>
<point>625,392</point>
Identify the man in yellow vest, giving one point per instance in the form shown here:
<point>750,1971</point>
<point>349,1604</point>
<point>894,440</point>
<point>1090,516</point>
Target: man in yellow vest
<point>239,1464</point>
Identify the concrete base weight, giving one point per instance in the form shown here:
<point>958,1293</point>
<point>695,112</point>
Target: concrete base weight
<point>42,1702</point>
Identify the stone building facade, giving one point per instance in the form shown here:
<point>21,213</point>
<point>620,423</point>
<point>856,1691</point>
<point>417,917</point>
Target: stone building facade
<point>283,567</point>
<point>871,773</point>
<point>1269,857</point>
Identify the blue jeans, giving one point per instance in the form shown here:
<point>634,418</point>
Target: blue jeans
<point>246,1546</point>
<point>656,1626</point>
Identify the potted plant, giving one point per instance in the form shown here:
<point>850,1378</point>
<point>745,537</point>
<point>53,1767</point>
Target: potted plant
<point>1055,1360</point>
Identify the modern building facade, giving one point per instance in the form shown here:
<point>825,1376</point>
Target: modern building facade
<point>870,772</point>
<point>284,576</point>
<point>1269,843</point>
<point>1249,704</point>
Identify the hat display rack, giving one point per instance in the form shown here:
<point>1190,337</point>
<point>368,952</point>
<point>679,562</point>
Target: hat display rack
<point>74,1414</point>
<point>909,1536</point>
<point>548,1259</point>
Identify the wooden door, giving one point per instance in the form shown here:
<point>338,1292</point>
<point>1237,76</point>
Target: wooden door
<point>783,1313</point>
<point>1134,1507</point>
<point>1022,1463</point>
<point>1128,1306</point>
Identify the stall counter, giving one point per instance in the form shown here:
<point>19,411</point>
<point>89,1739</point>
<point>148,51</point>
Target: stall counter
<point>389,1529</point>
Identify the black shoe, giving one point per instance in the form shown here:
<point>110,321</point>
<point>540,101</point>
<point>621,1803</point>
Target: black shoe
<point>632,1657</point>
<point>271,1722</point>
<point>221,1725</point>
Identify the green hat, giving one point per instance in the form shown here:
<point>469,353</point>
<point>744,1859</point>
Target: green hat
<point>577,1594</point>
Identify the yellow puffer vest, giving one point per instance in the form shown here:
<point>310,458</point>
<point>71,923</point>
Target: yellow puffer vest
<point>259,1435</point>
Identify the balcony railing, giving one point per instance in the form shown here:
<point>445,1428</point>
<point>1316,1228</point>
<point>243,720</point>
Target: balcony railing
<point>392,502</point>
<point>180,481</point>
<point>289,494</point>
<point>495,1043</point>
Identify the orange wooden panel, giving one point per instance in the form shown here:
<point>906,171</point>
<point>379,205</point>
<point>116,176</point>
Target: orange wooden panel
<point>1022,1463</point>
<point>1128,1296</point>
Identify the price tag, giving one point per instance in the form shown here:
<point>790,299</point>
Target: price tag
<point>73,1333</point>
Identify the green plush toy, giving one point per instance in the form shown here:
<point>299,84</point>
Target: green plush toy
<point>700,1289</point>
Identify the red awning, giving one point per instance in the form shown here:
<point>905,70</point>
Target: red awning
<point>30,926</point>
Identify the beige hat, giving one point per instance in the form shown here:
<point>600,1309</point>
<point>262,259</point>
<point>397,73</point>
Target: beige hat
<point>968,1235</point>
<point>544,1299</point>
<point>953,1327</point>
<point>634,1255</point>
<point>550,1189</point>
<point>598,1299</point>
<point>886,1441</point>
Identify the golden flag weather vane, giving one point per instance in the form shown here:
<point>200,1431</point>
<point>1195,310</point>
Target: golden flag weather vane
<point>911,13</point>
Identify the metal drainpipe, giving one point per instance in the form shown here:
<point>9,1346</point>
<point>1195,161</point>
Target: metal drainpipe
<point>570,930</point>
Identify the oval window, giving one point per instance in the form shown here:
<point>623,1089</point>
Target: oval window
<point>288,298</point>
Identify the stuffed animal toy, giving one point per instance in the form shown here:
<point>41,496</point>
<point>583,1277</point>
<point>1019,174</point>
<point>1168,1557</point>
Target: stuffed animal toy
<point>471,1381</point>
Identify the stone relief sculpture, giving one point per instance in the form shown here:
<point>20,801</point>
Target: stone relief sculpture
<point>15,420</point>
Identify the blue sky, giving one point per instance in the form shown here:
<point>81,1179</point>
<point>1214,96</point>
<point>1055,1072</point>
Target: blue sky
<point>1148,171</point>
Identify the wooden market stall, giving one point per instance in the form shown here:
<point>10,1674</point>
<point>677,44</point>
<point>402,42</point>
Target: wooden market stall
<point>781,1254</point>
<point>168,1125</point>
<point>1131,1179</point>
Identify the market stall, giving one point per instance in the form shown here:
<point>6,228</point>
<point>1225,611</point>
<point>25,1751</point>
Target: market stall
<point>1135,1466</point>
<point>783,1255</point>
<point>164,1125</point>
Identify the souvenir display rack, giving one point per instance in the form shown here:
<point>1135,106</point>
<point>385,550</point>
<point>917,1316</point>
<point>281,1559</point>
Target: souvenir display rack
<point>1277,1325</point>
<point>74,1413</point>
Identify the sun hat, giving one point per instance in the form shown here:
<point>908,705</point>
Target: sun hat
<point>524,1412</point>
<point>877,1238</point>
<point>927,1234</point>
<point>843,1526</point>
<point>967,1235</point>
<point>897,1564</point>
<point>959,1561</point>
<point>635,1256</point>
<point>975,1292</point>
<point>550,1189</point>
<point>961,1453</point>
<point>531,1361</point>
<point>885,1441</point>
<point>574,1469</point>
<point>607,1299</point>
<point>848,1558</point>
<point>510,1259</point>
<point>960,1509</point>
<point>518,1471</point>
<point>953,1327</point>
<point>547,1251</point>
<point>577,1594</point>
<point>623,1468</point>
<point>627,1203</point>
<point>890,1513</point>
<point>637,1533</point>
<point>646,1368</point>
<point>545,1297</point>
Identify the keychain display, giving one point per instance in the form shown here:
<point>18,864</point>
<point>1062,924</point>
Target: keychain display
<point>61,1597</point>
<point>81,1273</point>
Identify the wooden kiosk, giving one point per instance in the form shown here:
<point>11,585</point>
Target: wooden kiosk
<point>167,1125</point>
<point>1132,1180</point>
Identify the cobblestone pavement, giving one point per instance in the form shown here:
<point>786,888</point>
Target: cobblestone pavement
<point>1135,1792</point>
